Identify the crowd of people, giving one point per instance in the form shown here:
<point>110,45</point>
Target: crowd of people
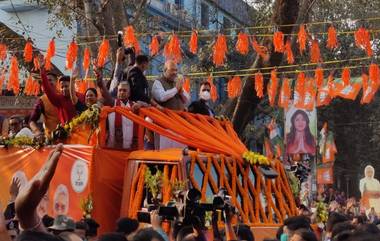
<point>128,87</point>
<point>22,220</point>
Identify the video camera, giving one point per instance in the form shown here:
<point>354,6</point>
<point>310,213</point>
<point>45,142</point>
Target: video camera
<point>129,50</point>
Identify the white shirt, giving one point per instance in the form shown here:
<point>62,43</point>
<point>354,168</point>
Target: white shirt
<point>159,93</point>
<point>25,132</point>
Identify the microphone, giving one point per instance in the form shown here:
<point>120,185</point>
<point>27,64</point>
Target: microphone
<point>120,38</point>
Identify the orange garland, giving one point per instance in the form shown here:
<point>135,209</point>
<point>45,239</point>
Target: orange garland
<point>278,42</point>
<point>193,43</point>
<point>332,40</point>
<point>289,52</point>
<point>259,84</point>
<point>3,52</point>
<point>103,53</point>
<point>50,53</point>
<point>242,44</point>
<point>219,50</point>
<point>130,39</point>
<point>302,38</point>
<point>154,46</point>
<point>28,51</point>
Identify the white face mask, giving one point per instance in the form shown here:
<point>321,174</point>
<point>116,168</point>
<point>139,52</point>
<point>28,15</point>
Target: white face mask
<point>205,95</point>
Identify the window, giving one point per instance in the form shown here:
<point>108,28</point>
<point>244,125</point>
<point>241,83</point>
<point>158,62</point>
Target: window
<point>204,15</point>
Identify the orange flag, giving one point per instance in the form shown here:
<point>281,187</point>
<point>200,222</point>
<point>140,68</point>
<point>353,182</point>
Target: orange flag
<point>302,38</point>
<point>103,53</point>
<point>214,93</point>
<point>259,84</point>
<point>289,52</point>
<point>3,52</point>
<point>242,44</point>
<point>278,42</point>
<point>28,51</point>
<point>219,50</point>
<point>154,46</point>
<point>193,43</point>
<point>130,39</point>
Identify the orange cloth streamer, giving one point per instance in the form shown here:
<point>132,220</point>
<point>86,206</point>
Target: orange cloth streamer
<point>186,85</point>
<point>346,76</point>
<point>130,39</point>
<point>219,50</point>
<point>154,46</point>
<point>36,88</point>
<point>36,64</point>
<point>173,50</point>
<point>362,40</point>
<point>315,55</point>
<point>13,82</point>
<point>284,97</point>
<point>260,50</point>
<point>259,84</point>
<point>86,59</point>
<point>28,89</point>
<point>278,42</point>
<point>272,87</point>
<point>332,40</point>
<point>28,51</point>
<point>302,38</point>
<point>103,52</point>
<point>234,87</point>
<point>50,53</point>
<point>3,52</point>
<point>374,73</point>
<point>193,43</point>
<point>71,55</point>
<point>318,77</point>
<point>213,91</point>
<point>242,44</point>
<point>289,52</point>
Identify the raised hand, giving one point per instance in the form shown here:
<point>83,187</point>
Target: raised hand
<point>30,196</point>
<point>14,188</point>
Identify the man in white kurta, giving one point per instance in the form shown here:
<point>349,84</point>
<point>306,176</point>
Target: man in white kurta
<point>370,190</point>
<point>168,92</point>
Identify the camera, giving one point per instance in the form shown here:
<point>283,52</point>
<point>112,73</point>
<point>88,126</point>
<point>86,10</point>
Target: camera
<point>127,51</point>
<point>223,202</point>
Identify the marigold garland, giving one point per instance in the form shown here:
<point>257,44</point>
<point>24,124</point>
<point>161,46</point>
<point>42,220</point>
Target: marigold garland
<point>219,50</point>
<point>255,158</point>
<point>302,38</point>
<point>332,40</point>
<point>154,46</point>
<point>242,43</point>
<point>278,42</point>
<point>28,51</point>
<point>193,43</point>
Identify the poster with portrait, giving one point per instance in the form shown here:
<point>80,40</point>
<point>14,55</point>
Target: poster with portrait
<point>300,131</point>
<point>69,186</point>
<point>370,190</point>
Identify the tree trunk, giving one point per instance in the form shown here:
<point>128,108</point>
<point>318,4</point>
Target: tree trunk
<point>119,15</point>
<point>285,12</point>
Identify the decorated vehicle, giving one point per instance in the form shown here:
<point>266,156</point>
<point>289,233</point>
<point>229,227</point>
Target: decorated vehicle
<point>108,183</point>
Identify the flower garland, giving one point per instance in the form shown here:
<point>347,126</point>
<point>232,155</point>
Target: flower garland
<point>322,213</point>
<point>255,158</point>
<point>20,142</point>
<point>89,116</point>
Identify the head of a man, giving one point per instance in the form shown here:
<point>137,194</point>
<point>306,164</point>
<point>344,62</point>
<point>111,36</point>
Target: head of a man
<point>15,124</point>
<point>127,226</point>
<point>64,82</point>
<point>369,171</point>
<point>142,61</point>
<point>205,91</point>
<point>52,79</point>
<point>170,70</point>
<point>123,90</point>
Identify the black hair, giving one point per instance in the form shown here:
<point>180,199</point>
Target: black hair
<point>147,234</point>
<point>341,227</point>
<point>142,59</point>
<point>127,225</point>
<point>92,227</point>
<point>36,236</point>
<point>334,218</point>
<point>306,235</point>
<point>362,219</point>
<point>112,237</point>
<point>368,228</point>
<point>205,83</point>
<point>92,90</point>
<point>363,236</point>
<point>47,221</point>
<point>243,232</point>
<point>297,222</point>
<point>64,78</point>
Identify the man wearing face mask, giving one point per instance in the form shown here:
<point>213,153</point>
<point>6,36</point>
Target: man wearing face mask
<point>201,106</point>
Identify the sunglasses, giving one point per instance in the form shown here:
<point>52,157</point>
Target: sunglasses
<point>205,90</point>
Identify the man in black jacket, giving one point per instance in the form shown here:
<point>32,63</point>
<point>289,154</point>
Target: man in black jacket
<point>201,106</point>
<point>134,74</point>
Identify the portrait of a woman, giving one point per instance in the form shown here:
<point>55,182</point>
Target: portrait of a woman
<point>300,140</point>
